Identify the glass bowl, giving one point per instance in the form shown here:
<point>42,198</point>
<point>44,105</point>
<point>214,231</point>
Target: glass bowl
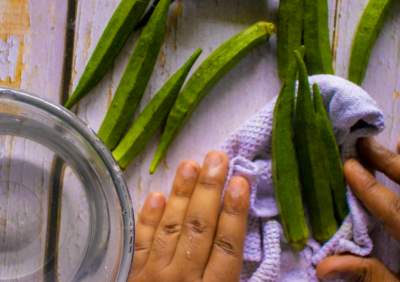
<point>65,210</point>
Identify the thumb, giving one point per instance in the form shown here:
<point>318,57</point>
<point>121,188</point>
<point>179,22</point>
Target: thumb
<point>355,269</point>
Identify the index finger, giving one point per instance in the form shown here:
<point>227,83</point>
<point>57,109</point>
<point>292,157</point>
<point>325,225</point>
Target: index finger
<point>227,254</point>
<point>380,158</point>
<point>201,218</point>
<point>378,199</point>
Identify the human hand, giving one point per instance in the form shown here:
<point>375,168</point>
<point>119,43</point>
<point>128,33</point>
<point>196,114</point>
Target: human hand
<point>380,201</point>
<point>190,237</point>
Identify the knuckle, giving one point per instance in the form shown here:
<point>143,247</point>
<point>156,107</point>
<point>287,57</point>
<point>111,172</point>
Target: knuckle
<point>392,165</point>
<point>182,190</point>
<point>233,211</point>
<point>371,185</point>
<point>142,246</point>
<point>367,268</point>
<point>395,206</point>
<point>392,158</point>
<point>209,182</point>
<point>196,225</point>
<point>171,228</point>
<point>147,221</point>
<point>226,245</point>
<point>363,272</point>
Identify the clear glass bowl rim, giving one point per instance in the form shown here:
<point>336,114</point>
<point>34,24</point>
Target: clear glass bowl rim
<point>105,155</point>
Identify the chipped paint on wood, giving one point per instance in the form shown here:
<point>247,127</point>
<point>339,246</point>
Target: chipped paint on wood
<point>14,23</point>
<point>32,34</point>
<point>14,16</point>
<point>11,65</point>
<point>176,13</point>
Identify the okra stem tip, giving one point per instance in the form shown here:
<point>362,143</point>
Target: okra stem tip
<point>153,166</point>
<point>269,27</point>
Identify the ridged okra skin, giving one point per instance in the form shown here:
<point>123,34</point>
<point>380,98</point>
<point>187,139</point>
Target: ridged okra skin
<point>332,159</point>
<point>122,23</point>
<point>223,59</point>
<point>310,151</point>
<point>153,116</point>
<point>367,32</point>
<point>285,170</point>
<point>290,33</point>
<point>135,78</point>
<point>316,37</point>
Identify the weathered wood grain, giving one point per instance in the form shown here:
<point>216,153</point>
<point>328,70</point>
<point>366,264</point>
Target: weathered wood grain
<point>31,58</point>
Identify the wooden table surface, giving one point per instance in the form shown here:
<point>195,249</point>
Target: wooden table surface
<point>46,43</point>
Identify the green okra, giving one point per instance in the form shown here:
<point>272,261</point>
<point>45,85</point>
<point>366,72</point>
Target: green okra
<point>146,17</point>
<point>152,117</point>
<point>135,78</point>
<point>367,32</point>
<point>290,32</point>
<point>122,23</point>
<point>285,170</point>
<point>332,159</point>
<point>310,153</point>
<point>205,77</point>
<point>316,37</point>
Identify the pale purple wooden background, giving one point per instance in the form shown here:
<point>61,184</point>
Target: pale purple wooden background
<point>32,40</point>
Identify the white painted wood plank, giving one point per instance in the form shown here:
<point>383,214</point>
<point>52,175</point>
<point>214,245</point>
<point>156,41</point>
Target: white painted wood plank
<point>31,58</point>
<point>92,17</point>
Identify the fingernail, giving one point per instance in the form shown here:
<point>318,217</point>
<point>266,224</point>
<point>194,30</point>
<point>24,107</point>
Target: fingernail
<point>189,171</point>
<point>156,200</point>
<point>214,164</point>
<point>237,190</point>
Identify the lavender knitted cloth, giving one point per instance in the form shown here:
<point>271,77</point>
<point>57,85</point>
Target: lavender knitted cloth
<point>267,257</point>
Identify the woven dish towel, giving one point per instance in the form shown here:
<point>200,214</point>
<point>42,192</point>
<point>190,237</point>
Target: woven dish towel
<point>267,257</point>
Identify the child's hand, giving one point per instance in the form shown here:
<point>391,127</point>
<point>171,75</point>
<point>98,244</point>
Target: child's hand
<point>189,237</point>
<point>380,201</point>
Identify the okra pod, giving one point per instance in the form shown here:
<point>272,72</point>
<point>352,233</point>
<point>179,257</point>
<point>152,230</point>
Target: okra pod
<point>146,17</point>
<point>122,23</point>
<point>316,37</point>
<point>205,77</point>
<point>285,170</point>
<point>310,151</point>
<point>332,159</point>
<point>290,32</point>
<point>367,32</point>
<point>135,78</point>
<point>152,116</point>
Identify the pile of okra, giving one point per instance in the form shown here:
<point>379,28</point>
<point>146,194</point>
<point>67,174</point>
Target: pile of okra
<point>302,130</point>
